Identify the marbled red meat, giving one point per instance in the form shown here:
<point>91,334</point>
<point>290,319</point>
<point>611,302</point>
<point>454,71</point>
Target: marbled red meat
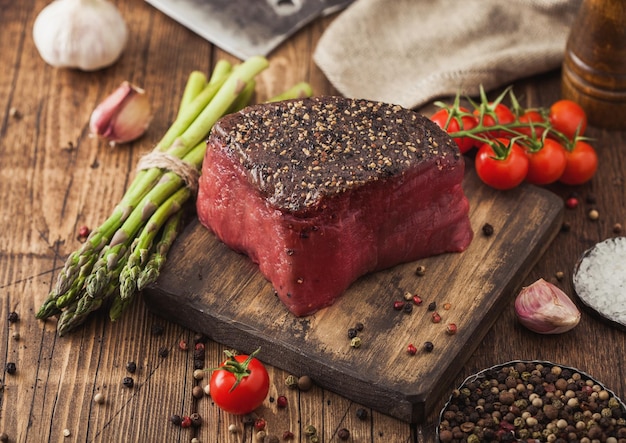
<point>321,191</point>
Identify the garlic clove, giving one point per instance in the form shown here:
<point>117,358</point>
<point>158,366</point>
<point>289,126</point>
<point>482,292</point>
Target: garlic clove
<point>84,34</point>
<point>544,308</point>
<point>123,116</point>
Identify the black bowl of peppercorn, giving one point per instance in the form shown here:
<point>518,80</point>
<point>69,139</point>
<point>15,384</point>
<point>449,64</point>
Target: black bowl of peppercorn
<point>532,401</point>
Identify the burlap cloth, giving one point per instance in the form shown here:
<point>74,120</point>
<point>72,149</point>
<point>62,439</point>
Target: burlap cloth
<point>409,52</point>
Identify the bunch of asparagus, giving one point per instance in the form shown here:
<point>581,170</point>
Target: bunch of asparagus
<point>126,253</point>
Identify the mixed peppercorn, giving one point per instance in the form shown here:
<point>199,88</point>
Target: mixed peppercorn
<point>532,402</point>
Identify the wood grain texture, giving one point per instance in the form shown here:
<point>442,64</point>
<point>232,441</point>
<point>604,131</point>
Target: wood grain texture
<point>54,178</point>
<point>210,288</point>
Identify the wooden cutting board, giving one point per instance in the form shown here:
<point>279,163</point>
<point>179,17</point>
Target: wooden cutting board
<point>208,288</point>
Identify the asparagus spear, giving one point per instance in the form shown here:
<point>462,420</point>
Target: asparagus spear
<point>120,257</point>
<point>78,265</point>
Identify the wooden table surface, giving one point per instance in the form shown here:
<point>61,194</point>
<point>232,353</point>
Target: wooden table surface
<point>54,178</point>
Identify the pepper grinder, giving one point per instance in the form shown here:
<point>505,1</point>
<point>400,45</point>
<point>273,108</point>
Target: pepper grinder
<point>594,66</point>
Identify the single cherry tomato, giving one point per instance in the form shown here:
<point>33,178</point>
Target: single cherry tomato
<point>530,117</point>
<point>582,163</point>
<point>495,114</point>
<point>546,165</point>
<point>501,164</point>
<point>568,117</point>
<point>240,384</point>
<point>455,124</point>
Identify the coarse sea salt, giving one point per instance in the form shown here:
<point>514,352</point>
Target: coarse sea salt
<point>600,279</point>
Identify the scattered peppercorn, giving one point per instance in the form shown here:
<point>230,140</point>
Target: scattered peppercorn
<point>16,335</point>
<point>559,275</point>
<point>288,435</point>
<point>435,317</point>
<point>355,342</point>
<point>66,433</point>
<point>186,422</point>
<point>291,381</point>
<point>591,199</point>
<point>310,430</point>
<point>305,383</point>
<point>11,368</point>
<point>593,214</point>
<point>198,364</point>
<point>566,227</point>
<point>199,347</point>
<point>197,392</point>
<point>359,326</point>
<point>417,300</point>
<point>361,414</point>
<point>432,306</point>
<point>128,382</point>
<point>198,374</point>
<point>411,349</point>
<point>571,202</point>
<point>420,270</point>
<point>407,308</point>
<point>131,367</point>
<point>233,429</point>
<point>176,419</point>
<point>157,329</point>
<point>163,352</point>
<point>259,424</point>
<point>99,398</point>
<point>260,436</point>
<point>428,346</point>
<point>281,402</point>
<point>352,332</point>
<point>487,230</point>
<point>408,296</point>
<point>83,232</point>
<point>451,328</point>
<point>13,317</point>
<point>343,434</point>
<point>207,389</point>
<point>196,420</point>
<point>617,228</point>
<point>447,306</point>
<point>183,346</point>
<point>398,305</point>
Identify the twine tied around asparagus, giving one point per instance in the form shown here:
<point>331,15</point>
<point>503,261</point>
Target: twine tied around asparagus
<point>186,171</point>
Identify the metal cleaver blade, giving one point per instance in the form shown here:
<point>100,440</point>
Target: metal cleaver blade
<point>245,28</point>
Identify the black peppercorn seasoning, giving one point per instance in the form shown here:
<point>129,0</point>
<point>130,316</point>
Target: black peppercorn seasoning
<point>11,368</point>
<point>163,352</point>
<point>487,230</point>
<point>362,414</point>
<point>131,367</point>
<point>13,317</point>
<point>128,382</point>
<point>176,419</point>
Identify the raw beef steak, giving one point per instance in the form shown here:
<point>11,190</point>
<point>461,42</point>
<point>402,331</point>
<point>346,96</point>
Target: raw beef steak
<point>321,191</point>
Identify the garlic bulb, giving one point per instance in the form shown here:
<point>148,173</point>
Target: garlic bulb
<point>83,34</point>
<point>123,116</point>
<point>544,308</point>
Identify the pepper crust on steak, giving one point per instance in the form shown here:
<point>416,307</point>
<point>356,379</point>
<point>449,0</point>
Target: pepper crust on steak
<point>320,191</point>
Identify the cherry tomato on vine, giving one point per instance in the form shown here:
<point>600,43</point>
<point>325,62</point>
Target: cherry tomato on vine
<point>530,117</point>
<point>240,384</point>
<point>582,163</point>
<point>547,164</point>
<point>466,122</point>
<point>497,114</point>
<point>501,164</point>
<point>567,117</point>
